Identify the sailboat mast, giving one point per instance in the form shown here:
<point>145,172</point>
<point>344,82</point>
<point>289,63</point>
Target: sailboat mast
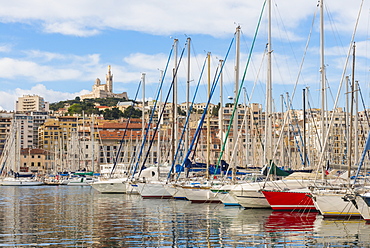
<point>323,86</point>
<point>351,117</point>
<point>174,104</point>
<point>17,148</point>
<point>268,121</point>
<point>236,119</point>
<point>92,143</point>
<point>159,152</point>
<point>143,106</point>
<point>304,130</point>
<point>187,132</point>
<point>221,104</point>
<point>323,76</point>
<point>356,122</point>
<point>143,111</point>
<point>208,117</point>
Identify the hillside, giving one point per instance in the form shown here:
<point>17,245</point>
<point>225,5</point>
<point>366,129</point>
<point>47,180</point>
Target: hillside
<point>87,106</point>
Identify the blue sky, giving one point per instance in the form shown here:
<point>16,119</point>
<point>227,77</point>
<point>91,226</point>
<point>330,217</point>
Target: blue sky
<point>56,49</point>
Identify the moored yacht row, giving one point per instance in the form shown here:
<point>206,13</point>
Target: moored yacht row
<point>294,193</point>
<point>332,197</point>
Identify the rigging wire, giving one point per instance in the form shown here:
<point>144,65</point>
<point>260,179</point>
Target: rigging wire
<point>241,87</point>
<point>124,133</point>
<point>163,110</point>
<point>186,123</point>
<point>152,114</point>
<point>197,131</point>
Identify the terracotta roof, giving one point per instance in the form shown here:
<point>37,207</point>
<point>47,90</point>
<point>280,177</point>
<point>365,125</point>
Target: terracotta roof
<point>120,125</point>
<point>117,135</point>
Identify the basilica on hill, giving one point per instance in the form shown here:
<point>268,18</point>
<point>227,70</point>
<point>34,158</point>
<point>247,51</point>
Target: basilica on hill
<point>100,90</point>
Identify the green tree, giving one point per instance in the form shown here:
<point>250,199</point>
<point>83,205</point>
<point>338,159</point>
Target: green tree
<point>132,112</point>
<point>75,109</point>
<point>88,104</point>
<point>112,114</point>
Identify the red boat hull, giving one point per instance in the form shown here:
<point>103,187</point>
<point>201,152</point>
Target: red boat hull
<point>288,200</point>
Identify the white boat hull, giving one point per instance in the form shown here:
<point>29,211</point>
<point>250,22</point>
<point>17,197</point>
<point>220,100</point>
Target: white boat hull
<point>176,191</point>
<point>19,182</point>
<point>332,204</point>
<point>153,190</point>
<point>362,206</point>
<point>81,182</point>
<point>200,194</point>
<point>251,199</point>
<point>111,186</point>
<point>223,194</point>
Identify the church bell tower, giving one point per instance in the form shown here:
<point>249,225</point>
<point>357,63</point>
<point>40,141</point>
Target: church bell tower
<point>109,80</point>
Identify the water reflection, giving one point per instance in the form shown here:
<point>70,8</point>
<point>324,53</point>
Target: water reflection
<point>80,216</point>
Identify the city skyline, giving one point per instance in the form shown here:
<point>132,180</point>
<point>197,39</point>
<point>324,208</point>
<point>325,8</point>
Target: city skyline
<point>57,50</point>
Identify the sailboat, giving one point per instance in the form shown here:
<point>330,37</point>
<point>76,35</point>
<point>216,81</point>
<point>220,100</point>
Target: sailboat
<point>249,194</point>
<point>10,161</point>
<point>337,201</point>
<point>361,201</point>
<point>360,198</point>
<point>200,190</point>
<point>148,180</point>
<point>326,195</point>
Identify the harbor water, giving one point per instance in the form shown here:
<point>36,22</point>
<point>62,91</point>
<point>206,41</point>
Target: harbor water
<point>65,216</point>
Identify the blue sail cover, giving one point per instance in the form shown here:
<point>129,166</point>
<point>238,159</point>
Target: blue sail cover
<point>213,170</point>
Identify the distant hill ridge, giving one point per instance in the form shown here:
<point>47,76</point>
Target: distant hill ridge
<point>87,106</point>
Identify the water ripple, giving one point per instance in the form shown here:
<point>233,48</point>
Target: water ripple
<point>81,217</point>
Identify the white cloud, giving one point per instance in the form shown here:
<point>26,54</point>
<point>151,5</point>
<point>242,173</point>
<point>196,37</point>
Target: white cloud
<point>5,48</point>
<point>39,66</point>
<point>84,18</point>
<point>11,68</point>
<point>216,18</point>
<point>70,28</point>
